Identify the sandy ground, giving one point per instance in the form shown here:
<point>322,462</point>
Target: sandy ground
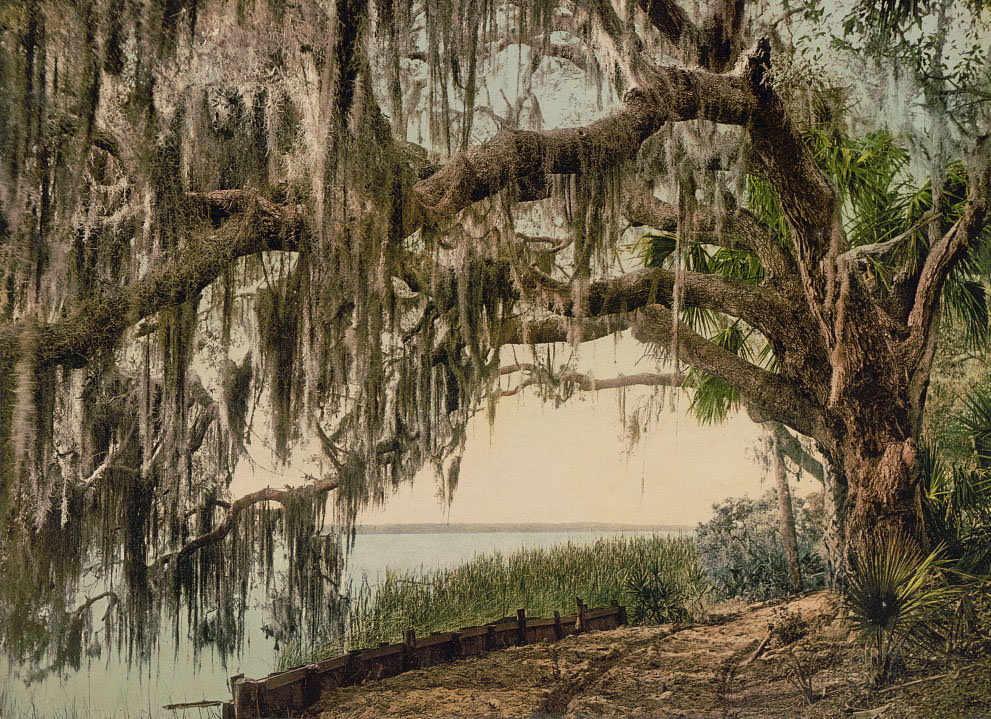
<point>696,672</point>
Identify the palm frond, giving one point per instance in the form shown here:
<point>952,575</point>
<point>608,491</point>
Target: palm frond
<point>897,600</point>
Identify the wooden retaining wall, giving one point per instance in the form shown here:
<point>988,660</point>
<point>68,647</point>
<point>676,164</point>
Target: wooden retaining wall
<point>278,695</point>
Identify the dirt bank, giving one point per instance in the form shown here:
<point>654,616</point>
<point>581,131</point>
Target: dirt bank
<point>694,672</point>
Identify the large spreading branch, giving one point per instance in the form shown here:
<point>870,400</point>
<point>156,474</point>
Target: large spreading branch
<point>548,330</point>
<point>759,306</point>
<point>767,395</point>
<point>672,95</point>
<point>97,323</point>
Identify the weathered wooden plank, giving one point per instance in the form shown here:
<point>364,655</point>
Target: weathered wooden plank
<point>280,680</point>
<point>329,665</point>
<point>379,652</point>
<point>280,693</point>
<point>442,638</point>
<point>604,612</point>
<point>542,622</point>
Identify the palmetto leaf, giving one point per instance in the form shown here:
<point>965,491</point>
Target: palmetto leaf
<point>896,598</point>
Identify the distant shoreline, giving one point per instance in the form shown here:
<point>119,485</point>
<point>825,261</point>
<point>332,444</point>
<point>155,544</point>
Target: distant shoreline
<point>516,528</point>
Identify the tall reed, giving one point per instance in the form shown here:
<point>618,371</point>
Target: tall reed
<point>541,580</point>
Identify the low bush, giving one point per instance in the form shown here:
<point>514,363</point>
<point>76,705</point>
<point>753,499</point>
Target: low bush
<point>897,601</point>
<point>741,546</point>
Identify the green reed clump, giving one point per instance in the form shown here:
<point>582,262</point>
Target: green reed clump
<point>541,580</point>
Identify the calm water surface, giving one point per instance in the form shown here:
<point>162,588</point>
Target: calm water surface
<point>107,688</point>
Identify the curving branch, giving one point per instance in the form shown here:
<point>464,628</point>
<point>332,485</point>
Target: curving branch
<point>521,331</point>
<point>224,527</point>
<point>767,395</point>
<point>673,94</point>
<point>945,253</point>
<point>737,230</point>
<point>760,306</point>
<point>587,382</point>
<point>97,323</point>
<point>794,450</point>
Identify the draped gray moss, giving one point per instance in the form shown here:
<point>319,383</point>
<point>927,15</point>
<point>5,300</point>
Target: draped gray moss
<point>118,122</point>
<point>214,233</point>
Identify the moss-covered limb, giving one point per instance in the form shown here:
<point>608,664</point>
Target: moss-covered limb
<point>714,44</point>
<point>808,198</point>
<point>522,331</point>
<point>794,450</point>
<point>946,252</point>
<point>98,323</point>
<point>771,395</point>
<point>673,95</point>
<point>736,229</point>
<point>761,307</point>
<point>281,496</point>
<point>537,375</point>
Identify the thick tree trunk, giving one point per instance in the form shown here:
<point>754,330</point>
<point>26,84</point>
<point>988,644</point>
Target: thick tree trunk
<point>789,538</point>
<point>884,499</point>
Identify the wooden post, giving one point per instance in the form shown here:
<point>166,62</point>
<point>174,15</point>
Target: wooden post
<point>620,613</point>
<point>457,646</point>
<point>245,700</point>
<point>558,629</point>
<point>409,647</point>
<point>521,627</point>
<point>490,638</point>
<point>580,620</point>
<point>354,667</point>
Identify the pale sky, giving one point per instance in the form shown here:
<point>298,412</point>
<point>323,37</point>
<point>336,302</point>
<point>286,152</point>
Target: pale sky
<point>570,464</point>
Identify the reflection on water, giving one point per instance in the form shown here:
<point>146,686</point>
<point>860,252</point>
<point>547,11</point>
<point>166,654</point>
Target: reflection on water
<point>106,687</point>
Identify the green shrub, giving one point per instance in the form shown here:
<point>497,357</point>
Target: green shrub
<point>897,601</point>
<point>741,546</point>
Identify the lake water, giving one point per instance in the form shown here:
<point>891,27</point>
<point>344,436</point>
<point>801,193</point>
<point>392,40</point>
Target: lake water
<point>107,688</point>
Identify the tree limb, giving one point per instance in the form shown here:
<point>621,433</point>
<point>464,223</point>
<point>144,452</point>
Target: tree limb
<point>97,323</point>
<point>738,230</point>
<point>225,526</point>
<point>945,253</point>
<point>794,450</point>
<point>520,331</point>
<point>759,306</point>
<point>587,382</point>
<point>769,394</point>
<point>673,94</point>
<point>715,45</point>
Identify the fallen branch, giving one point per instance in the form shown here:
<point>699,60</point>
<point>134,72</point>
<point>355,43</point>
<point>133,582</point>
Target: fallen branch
<point>759,650</point>
<point>194,705</point>
<point>915,681</point>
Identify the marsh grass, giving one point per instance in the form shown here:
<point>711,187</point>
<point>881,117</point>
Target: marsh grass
<point>540,580</point>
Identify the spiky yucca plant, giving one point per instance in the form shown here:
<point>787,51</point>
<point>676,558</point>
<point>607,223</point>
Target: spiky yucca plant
<point>896,600</point>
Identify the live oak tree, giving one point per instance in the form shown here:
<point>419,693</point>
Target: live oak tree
<point>179,175</point>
